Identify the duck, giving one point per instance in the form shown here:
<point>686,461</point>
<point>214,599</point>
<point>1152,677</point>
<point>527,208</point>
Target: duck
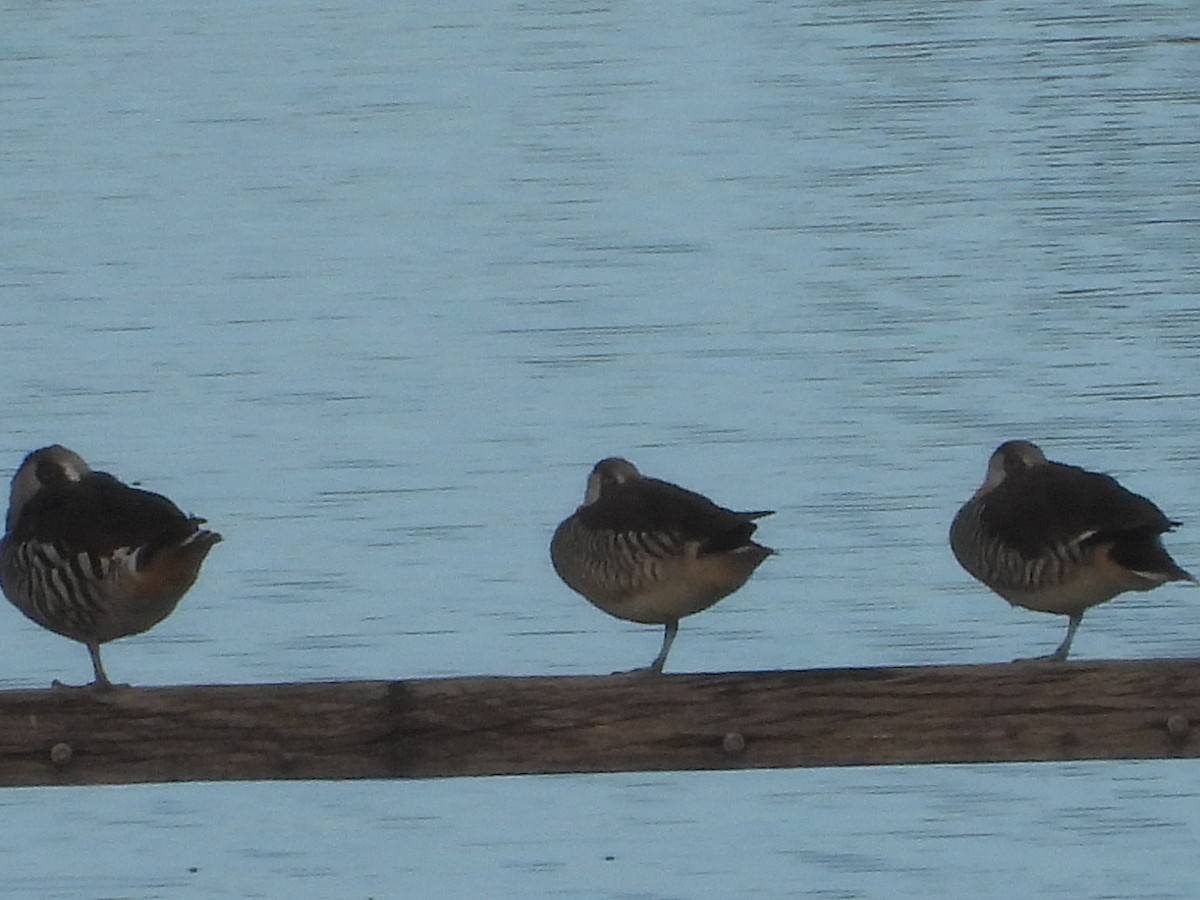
<point>1056,538</point>
<point>651,552</point>
<point>91,558</point>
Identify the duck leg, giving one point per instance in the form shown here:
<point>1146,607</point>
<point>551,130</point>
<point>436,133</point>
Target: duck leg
<point>101,683</point>
<point>1065,647</point>
<point>672,628</point>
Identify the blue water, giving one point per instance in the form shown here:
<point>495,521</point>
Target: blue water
<point>372,286</point>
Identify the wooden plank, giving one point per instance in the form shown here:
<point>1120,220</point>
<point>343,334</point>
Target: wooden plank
<point>506,726</point>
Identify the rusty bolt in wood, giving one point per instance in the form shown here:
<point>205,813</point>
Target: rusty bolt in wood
<point>1178,725</point>
<point>733,744</point>
<point>61,753</point>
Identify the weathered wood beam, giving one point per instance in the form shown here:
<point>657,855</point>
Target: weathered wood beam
<point>507,726</point>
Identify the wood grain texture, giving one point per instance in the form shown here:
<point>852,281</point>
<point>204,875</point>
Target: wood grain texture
<point>537,725</point>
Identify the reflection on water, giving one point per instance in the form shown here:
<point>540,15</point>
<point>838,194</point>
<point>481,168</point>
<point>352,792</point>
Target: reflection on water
<point>374,288</point>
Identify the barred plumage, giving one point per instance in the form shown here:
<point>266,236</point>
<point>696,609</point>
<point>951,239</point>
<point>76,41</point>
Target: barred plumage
<point>1059,539</point>
<point>93,559</point>
<point>649,551</point>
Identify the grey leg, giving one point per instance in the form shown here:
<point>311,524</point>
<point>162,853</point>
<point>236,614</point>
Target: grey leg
<point>668,638</point>
<point>1065,647</point>
<point>101,682</point>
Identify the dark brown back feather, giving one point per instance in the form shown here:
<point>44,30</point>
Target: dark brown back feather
<point>99,514</point>
<point>645,505</point>
<point>1043,506</point>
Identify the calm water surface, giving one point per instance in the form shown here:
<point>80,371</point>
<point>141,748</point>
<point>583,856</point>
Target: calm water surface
<point>373,287</point>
